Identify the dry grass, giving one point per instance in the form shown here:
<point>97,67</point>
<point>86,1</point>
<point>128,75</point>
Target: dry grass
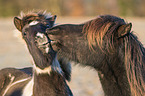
<point>84,82</point>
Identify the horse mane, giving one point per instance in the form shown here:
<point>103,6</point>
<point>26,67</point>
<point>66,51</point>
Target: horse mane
<point>105,28</point>
<point>96,29</point>
<point>135,64</point>
<point>32,16</point>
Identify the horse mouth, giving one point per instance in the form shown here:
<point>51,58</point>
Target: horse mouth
<point>43,42</point>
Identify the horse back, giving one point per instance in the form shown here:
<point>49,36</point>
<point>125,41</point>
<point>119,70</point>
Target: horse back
<point>12,80</point>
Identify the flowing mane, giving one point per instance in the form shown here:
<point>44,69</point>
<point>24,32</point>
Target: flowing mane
<point>96,29</point>
<point>105,28</point>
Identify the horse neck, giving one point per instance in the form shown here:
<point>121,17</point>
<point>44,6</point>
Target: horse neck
<point>113,76</point>
<point>76,37</point>
<point>50,81</point>
<point>52,84</point>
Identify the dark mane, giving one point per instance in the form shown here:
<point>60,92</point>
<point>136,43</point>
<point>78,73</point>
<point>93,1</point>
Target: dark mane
<point>106,28</point>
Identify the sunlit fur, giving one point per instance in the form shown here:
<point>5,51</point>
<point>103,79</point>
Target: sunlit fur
<point>105,28</point>
<point>32,16</point>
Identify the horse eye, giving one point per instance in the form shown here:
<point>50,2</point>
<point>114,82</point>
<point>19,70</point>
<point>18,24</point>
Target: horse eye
<point>24,33</point>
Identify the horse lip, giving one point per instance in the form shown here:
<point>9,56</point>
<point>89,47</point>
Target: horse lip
<point>50,41</point>
<point>45,43</point>
<point>53,42</point>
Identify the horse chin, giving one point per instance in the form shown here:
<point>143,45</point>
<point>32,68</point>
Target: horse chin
<point>56,46</point>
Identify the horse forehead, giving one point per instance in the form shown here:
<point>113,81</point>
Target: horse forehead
<point>33,23</point>
<point>30,17</point>
<point>34,28</point>
<point>33,17</point>
<point>29,29</point>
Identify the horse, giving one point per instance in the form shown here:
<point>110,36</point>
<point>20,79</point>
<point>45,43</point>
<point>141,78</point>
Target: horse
<point>12,80</point>
<point>108,45</point>
<point>18,82</point>
<point>48,76</point>
<point>47,20</point>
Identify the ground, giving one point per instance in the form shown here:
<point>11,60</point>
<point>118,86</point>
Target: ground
<point>85,82</point>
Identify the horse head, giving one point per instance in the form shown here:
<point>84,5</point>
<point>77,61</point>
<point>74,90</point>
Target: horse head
<point>33,26</point>
<point>48,74</point>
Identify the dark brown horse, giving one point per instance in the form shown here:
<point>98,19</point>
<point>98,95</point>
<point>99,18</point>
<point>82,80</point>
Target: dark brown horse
<point>106,44</point>
<point>47,21</point>
<point>48,75</point>
<point>15,82</point>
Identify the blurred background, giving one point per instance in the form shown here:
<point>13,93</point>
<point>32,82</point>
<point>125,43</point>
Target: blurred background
<point>85,81</point>
<point>75,7</point>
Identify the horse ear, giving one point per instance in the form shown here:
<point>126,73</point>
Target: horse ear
<point>52,20</point>
<point>18,23</point>
<point>124,29</point>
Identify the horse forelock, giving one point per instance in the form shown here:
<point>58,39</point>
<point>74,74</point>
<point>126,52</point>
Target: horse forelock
<point>104,28</point>
<point>32,16</point>
<point>35,14</point>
